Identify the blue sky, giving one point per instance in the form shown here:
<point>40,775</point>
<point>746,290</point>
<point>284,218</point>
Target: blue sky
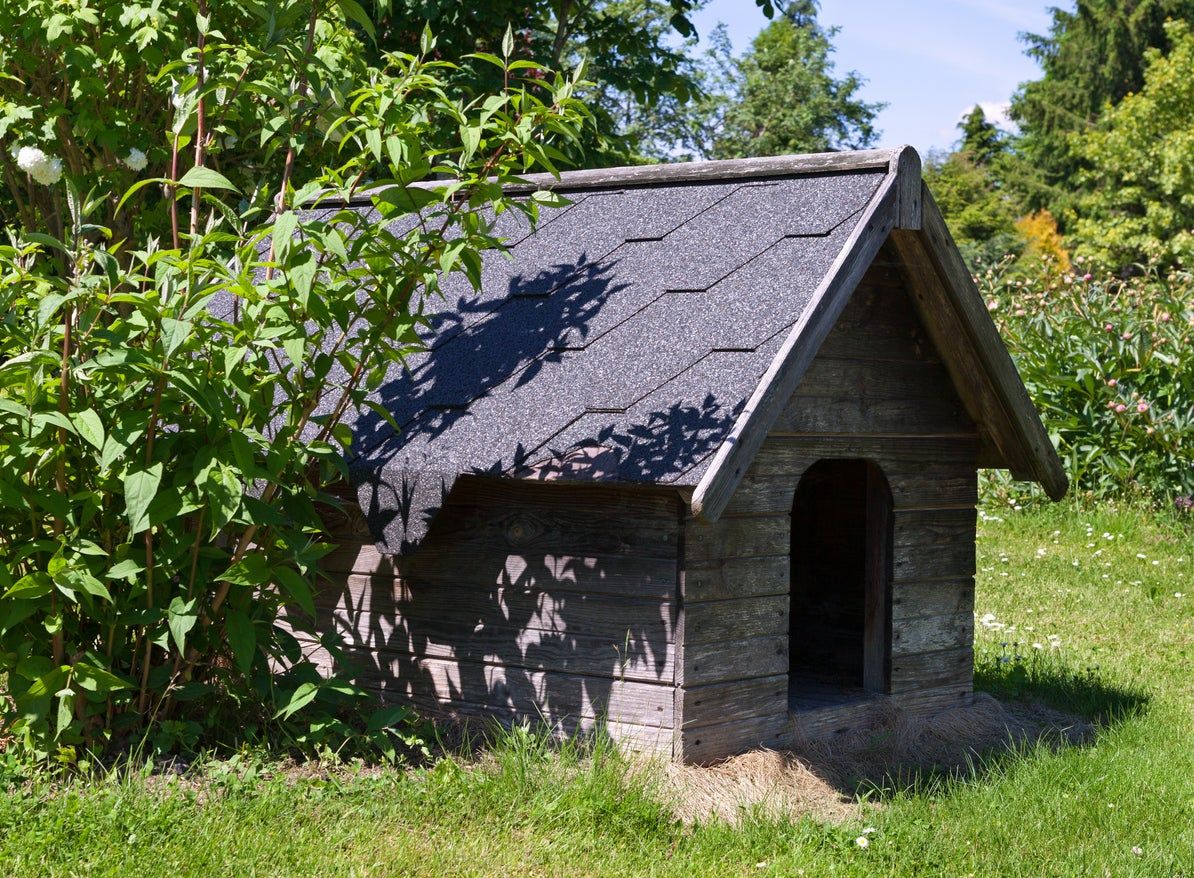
<point>929,60</point>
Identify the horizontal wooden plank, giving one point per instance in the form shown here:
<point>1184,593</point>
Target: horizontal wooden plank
<point>650,739</point>
<point>932,633</point>
<point>736,578</point>
<point>378,643</point>
<point>880,323</point>
<point>926,702</point>
<point>729,660</point>
<point>763,495</point>
<point>709,744</point>
<point>834,719</point>
<point>488,516</point>
<point>621,575</point>
<point>930,670</point>
<point>741,699</point>
<point>922,472</point>
<point>933,544</point>
<point>388,600</point>
<point>736,537</point>
<point>552,696</point>
<point>711,621</point>
<point>911,382</point>
<point>822,411</point>
<point>910,600</point>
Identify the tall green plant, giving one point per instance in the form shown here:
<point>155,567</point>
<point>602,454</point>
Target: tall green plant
<point>170,413</point>
<point>1107,363</point>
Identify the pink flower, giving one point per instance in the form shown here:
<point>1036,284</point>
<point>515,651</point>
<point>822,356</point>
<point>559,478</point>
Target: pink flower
<point>1020,312</point>
<point>1149,430</point>
<point>1126,336</point>
<point>1165,318</point>
<point>1110,403</point>
<point>1109,328</point>
<point>1111,382</point>
<point>1121,408</point>
<point>1088,277</point>
<point>1142,407</point>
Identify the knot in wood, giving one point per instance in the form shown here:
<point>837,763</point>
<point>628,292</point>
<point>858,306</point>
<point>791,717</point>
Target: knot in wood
<point>523,529</point>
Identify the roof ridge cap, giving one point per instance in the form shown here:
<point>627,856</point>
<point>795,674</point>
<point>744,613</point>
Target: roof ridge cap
<point>721,169</point>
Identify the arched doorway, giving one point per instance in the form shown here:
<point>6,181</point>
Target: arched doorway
<point>839,633</point>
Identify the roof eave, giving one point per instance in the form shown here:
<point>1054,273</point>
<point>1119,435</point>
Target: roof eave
<point>896,204</point>
<point>956,316</point>
<point>1013,424</point>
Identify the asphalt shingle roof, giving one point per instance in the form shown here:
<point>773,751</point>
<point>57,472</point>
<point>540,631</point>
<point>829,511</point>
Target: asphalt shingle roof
<point>620,341</point>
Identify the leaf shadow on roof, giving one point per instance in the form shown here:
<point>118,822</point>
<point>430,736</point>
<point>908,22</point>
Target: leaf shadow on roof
<point>479,344</point>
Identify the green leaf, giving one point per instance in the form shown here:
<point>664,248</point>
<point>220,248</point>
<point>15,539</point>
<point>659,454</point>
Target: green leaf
<point>242,637</point>
<point>295,348</point>
<point>224,491</point>
<point>206,178</point>
<point>470,136</point>
<point>93,678</point>
<point>508,42</point>
<point>302,275</point>
<point>388,717</point>
<point>89,426</point>
<point>46,241</point>
<point>137,187</point>
<point>124,569</point>
<point>31,586</point>
<point>140,487</point>
<point>295,585</point>
<point>300,698</point>
<point>174,333</point>
<point>283,233</point>
<point>181,618</point>
<point>354,12</point>
<point>66,710</point>
<point>81,580</point>
<point>48,683</point>
<point>251,570</point>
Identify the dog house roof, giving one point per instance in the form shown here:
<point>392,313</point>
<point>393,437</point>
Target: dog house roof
<point>648,332</point>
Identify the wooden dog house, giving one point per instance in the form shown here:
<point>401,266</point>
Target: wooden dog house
<point>697,466</point>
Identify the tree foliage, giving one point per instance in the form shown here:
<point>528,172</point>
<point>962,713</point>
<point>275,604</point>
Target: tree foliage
<point>1092,56</point>
<point>172,410</point>
<point>982,140</point>
<point>1139,194</point>
<point>645,84</point>
<point>782,95</point>
<point>968,185</point>
<point>95,85</point>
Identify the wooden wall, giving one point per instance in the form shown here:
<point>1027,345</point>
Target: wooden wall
<point>876,391</point>
<point>526,599</point>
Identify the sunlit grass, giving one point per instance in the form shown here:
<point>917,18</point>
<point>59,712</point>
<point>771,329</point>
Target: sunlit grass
<point>1120,653</point>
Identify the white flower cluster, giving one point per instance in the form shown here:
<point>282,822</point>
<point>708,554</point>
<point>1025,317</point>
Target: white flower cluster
<point>135,160</point>
<point>42,168</point>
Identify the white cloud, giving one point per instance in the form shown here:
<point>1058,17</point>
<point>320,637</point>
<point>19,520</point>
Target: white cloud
<point>995,111</point>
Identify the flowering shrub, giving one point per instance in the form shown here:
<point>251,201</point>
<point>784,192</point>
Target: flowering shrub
<point>1108,363</point>
<point>170,414</point>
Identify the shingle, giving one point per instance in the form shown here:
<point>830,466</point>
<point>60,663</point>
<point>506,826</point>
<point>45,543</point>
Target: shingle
<point>672,429</point>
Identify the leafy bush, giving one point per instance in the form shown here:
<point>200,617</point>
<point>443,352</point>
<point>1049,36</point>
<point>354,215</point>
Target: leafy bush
<point>1107,362</point>
<point>170,416</point>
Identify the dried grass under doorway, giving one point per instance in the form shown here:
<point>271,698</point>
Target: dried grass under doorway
<point>819,778</point>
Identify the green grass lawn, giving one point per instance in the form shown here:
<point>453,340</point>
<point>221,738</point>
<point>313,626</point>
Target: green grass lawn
<point>1105,584</point>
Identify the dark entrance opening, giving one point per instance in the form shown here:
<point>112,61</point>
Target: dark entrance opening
<point>839,633</point>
